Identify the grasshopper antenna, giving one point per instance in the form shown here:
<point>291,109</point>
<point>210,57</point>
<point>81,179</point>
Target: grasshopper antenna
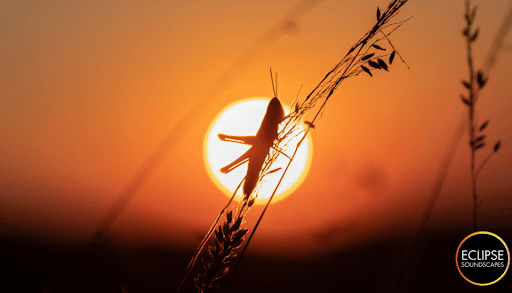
<point>274,88</point>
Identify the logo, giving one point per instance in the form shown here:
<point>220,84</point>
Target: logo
<point>482,258</point>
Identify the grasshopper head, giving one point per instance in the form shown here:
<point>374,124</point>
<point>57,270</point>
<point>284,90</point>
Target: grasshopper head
<point>275,110</point>
<point>269,125</point>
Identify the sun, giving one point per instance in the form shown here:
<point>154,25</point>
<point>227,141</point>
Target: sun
<point>244,118</point>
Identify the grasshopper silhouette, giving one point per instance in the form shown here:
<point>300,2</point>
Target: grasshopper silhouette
<point>261,144</point>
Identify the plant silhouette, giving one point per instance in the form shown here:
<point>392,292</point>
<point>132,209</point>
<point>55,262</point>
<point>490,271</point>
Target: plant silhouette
<point>477,80</point>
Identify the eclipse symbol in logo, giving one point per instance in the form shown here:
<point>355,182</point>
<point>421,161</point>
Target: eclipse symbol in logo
<point>482,258</point>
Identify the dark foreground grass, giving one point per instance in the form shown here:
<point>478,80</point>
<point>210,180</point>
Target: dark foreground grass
<point>35,266</point>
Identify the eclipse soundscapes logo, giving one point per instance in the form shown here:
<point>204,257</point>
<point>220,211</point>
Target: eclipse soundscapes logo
<point>482,258</point>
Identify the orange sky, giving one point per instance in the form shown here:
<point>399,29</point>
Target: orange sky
<point>89,91</point>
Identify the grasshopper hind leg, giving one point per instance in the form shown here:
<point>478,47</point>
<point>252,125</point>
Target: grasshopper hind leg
<point>236,163</point>
<point>238,139</point>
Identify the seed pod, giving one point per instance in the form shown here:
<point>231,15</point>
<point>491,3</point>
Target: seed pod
<point>382,64</point>
<point>497,146</point>
<point>310,124</point>
<point>484,125</point>
<point>367,56</point>
<point>464,100</point>
<point>391,57</point>
<point>374,64</point>
<point>366,70</point>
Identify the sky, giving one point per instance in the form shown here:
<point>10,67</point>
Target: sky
<point>91,89</point>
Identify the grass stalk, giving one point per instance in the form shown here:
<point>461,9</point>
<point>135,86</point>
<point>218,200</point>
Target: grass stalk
<point>476,82</point>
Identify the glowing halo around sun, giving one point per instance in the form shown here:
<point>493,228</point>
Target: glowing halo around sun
<point>244,118</point>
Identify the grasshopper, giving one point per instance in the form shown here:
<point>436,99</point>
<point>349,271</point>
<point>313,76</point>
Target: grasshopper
<point>261,144</point>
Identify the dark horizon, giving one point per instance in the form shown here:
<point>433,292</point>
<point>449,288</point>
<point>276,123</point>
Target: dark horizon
<point>35,265</point>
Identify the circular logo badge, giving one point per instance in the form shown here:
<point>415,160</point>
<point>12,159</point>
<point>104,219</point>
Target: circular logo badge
<point>482,258</point>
